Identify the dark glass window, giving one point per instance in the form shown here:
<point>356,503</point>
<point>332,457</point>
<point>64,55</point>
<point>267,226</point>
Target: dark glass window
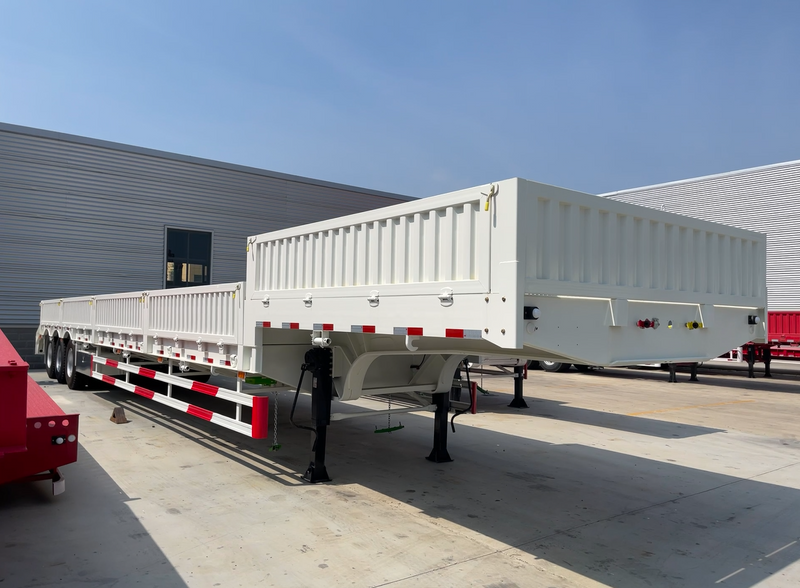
<point>188,258</point>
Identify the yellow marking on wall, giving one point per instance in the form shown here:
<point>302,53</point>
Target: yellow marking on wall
<point>687,407</point>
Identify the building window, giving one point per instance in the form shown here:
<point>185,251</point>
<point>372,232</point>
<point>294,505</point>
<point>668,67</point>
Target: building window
<point>188,258</point>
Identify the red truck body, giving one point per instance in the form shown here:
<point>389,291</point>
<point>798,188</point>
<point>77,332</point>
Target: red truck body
<point>784,333</point>
<point>36,436</point>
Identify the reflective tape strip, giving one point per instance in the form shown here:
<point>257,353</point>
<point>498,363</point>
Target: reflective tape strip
<point>290,325</point>
<point>323,326</point>
<point>257,430</point>
<point>408,331</point>
<point>265,324</point>
<point>362,328</point>
<point>462,333</point>
<point>205,388</point>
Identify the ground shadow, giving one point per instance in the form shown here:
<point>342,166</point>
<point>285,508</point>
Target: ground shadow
<point>87,536</point>
<point>621,520</point>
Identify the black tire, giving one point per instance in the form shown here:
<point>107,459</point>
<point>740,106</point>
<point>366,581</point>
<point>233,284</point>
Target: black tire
<point>554,366</point>
<point>60,363</point>
<point>534,365</point>
<point>582,368</point>
<point>75,380</point>
<point>50,347</point>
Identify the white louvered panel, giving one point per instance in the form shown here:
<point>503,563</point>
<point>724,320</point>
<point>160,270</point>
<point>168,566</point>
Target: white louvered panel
<point>50,312</point>
<point>765,199</point>
<point>77,312</point>
<point>420,247</point>
<point>119,312</point>
<point>209,312</point>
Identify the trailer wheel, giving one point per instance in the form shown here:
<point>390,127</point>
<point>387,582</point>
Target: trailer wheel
<point>534,365</point>
<point>554,366</point>
<point>50,356</point>
<point>75,380</point>
<point>60,361</point>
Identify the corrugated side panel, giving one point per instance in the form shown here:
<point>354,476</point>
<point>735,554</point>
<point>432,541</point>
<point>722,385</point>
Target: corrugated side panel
<point>77,312</point>
<point>784,326</point>
<point>437,245</point>
<point>79,219</point>
<point>211,311</point>
<point>761,199</point>
<point>580,244</point>
<point>51,312</point>
<point>119,312</point>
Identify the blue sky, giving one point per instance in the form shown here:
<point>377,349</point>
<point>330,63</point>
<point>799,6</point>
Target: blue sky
<point>418,97</point>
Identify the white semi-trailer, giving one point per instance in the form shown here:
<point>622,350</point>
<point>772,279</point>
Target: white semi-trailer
<point>392,302</point>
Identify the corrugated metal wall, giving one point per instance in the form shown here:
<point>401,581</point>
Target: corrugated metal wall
<point>764,199</point>
<point>80,216</point>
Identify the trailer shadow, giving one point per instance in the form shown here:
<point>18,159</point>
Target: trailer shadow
<point>498,402</point>
<point>619,519</point>
<point>87,536</point>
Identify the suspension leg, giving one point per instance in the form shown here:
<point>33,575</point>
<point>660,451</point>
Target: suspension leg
<point>693,373</point>
<point>672,376</point>
<point>519,401</point>
<point>320,362</point>
<point>439,452</point>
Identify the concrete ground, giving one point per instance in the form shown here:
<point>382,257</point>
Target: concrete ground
<point>611,478</point>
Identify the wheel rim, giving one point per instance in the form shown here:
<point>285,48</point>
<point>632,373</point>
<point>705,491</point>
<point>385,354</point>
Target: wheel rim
<point>70,361</point>
<point>549,363</point>
<point>58,362</point>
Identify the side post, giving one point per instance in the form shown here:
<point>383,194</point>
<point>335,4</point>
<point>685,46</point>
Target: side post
<point>767,361</point>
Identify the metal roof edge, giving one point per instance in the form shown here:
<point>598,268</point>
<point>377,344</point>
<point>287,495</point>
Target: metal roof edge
<point>699,178</point>
<point>69,138</point>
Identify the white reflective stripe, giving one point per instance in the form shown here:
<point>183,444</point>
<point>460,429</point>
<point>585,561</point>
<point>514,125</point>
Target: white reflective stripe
<point>472,334</point>
<point>356,328</point>
<point>401,330</point>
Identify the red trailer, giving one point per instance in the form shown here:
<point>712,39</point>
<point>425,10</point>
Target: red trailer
<point>36,436</point>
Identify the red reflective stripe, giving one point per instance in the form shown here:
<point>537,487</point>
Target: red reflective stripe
<point>112,362</point>
<point>368,328</point>
<point>260,417</point>
<point>266,324</point>
<point>109,380</point>
<point>457,333</point>
<point>414,330</point>
<point>177,355</point>
<point>161,352</point>
<point>327,326</point>
<point>205,388</point>
<point>143,392</point>
<point>294,325</point>
<point>191,357</point>
<point>199,412</point>
<point>147,373</point>
<point>210,360</point>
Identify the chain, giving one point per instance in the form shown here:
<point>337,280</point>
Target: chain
<point>275,444</point>
<point>389,414</point>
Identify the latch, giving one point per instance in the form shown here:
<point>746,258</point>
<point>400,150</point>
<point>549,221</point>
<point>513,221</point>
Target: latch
<point>265,301</point>
<point>446,297</point>
<point>373,298</point>
<point>307,300</point>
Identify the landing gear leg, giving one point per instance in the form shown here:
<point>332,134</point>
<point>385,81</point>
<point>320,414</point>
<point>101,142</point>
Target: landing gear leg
<point>751,361</point>
<point>320,364</point>
<point>672,376</point>
<point>767,361</point>
<point>519,401</point>
<point>439,453</point>
<point>693,373</point>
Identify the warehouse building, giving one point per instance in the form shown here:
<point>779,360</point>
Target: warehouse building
<point>80,216</point>
<point>764,199</point>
